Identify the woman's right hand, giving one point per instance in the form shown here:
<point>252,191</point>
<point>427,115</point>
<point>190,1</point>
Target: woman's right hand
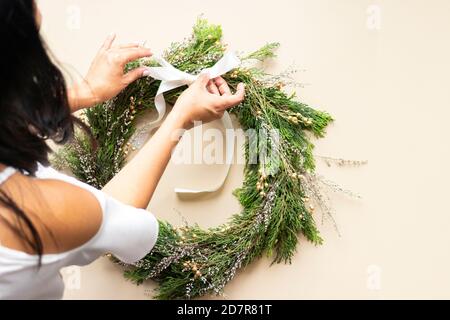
<point>206,100</point>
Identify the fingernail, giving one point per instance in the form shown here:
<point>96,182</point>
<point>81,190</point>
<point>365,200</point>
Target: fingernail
<point>146,73</point>
<point>111,34</point>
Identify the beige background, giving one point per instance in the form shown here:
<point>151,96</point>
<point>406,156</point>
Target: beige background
<point>385,80</point>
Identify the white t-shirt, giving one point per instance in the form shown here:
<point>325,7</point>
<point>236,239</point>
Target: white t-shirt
<point>126,232</point>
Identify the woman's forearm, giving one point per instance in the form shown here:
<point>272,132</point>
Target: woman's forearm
<point>204,100</point>
<point>80,96</point>
<point>137,181</point>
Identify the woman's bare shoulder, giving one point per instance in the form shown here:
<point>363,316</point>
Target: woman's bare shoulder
<point>66,216</point>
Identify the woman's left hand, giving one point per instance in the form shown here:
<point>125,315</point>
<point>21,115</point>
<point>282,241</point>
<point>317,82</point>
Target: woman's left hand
<point>106,78</point>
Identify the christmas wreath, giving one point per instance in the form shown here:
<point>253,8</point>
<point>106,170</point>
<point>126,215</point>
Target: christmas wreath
<point>277,205</point>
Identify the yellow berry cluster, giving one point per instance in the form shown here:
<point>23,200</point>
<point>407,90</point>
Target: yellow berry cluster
<point>262,183</point>
<point>183,237</point>
<point>310,206</point>
<point>193,267</point>
<point>179,56</point>
<point>298,117</point>
<point>295,175</point>
<point>127,148</point>
<point>133,107</point>
<point>242,71</point>
<point>224,228</point>
<point>279,85</point>
<point>223,46</point>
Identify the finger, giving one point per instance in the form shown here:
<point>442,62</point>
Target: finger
<point>212,88</point>
<point>109,41</point>
<point>128,45</point>
<point>202,80</point>
<point>234,99</point>
<point>224,89</point>
<point>134,74</point>
<point>132,54</point>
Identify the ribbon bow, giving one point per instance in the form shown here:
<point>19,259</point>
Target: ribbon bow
<point>172,78</point>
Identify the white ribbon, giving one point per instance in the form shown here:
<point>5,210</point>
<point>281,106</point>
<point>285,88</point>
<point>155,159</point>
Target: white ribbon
<point>172,78</point>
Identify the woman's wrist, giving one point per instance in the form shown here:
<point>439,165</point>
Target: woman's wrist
<point>178,118</point>
<point>81,96</point>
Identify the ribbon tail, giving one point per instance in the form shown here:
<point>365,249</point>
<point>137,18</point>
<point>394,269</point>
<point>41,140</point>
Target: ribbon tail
<point>230,142</point>
<point>172,78</point>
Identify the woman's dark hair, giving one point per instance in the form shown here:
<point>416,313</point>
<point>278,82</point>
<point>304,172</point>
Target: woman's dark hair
<point>33,103</point>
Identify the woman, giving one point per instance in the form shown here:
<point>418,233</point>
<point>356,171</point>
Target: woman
<point>49,220</point>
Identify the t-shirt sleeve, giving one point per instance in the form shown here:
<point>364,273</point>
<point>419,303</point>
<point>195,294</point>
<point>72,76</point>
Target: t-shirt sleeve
<point>126,232</point>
